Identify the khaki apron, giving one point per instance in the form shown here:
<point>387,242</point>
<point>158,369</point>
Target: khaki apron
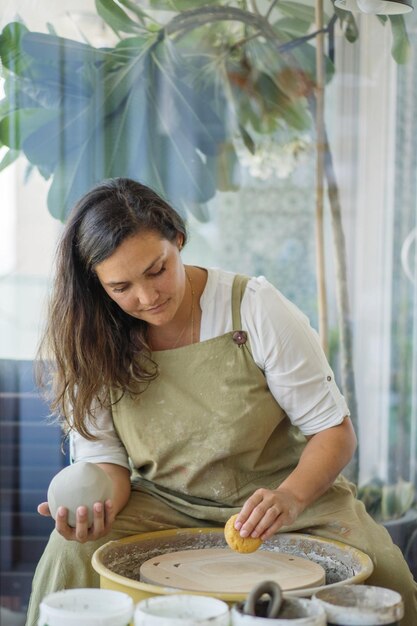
<point>208,432</point>
<point>202,438</point>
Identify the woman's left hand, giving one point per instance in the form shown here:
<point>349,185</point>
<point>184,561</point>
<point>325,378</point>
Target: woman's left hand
<point>266,511</point>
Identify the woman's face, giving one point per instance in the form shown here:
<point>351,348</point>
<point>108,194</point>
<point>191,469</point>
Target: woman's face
<point>145,277</point>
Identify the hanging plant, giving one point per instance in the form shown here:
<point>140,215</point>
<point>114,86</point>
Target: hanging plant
<point>163,105</point>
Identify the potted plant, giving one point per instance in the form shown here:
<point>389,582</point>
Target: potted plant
<point>394,506</point>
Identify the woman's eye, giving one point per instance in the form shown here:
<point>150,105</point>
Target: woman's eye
<point>159,272</point>
<point>119,289</point>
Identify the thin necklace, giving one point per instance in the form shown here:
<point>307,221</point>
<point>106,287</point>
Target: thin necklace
<point>190,318</point>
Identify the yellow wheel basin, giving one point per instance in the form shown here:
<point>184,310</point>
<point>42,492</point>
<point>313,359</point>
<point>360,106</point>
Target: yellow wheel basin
<point>118,562</point>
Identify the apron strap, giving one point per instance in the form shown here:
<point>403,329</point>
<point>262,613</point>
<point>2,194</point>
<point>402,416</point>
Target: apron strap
<point>238,289</point>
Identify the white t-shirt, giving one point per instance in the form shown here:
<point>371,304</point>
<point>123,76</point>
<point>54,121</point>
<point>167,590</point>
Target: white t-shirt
<point>283,345</point>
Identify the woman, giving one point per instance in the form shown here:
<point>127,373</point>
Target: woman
<point>211,386</point>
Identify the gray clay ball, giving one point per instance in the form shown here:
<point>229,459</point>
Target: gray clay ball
<point>80,484</point>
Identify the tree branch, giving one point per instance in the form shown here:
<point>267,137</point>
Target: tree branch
<point>271,8</point>
<point>187,21</point>
<point>194,18</point>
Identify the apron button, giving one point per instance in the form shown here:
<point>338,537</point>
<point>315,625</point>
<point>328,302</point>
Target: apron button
<point>239,337</point>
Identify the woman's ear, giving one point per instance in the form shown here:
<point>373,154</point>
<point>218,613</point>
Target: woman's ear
<point>180,241</point>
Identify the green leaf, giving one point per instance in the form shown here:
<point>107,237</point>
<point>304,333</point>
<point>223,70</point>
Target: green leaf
<point>251,109</point>
<point>19,124</point>
<point>371,496</point>
<point>277,103</point>
<point>50,62</point>
<point>200,211</point>
<point>115,17</point>
<point>9,158</point>
<point>49,143</point>
<point>51,29</point>
<point>401,47</point>
<point>188,175</point>
<point>305,59</point>
<point>182,110</point>
<point>114,87</point>
<point>11,54</point>
<point>16,96</point>
<point>405,495</point>
<point>347,24</point>
<point>226,168</point>
<point>4,107</point>
<point>277,88</point>
<point>124,136</point>
<point>73,121</point>
<point>247,139</point>
<point>297,10</point>
<point>293,26</point>
<point>136,10</point>
<point>77,124</point>
<point>396,499</point>
<point>138,42</point>
<point>51,49</point>
<point>180,5</point>
<point>295,73</point>
<point>263,56</point>
<point>73,177</point>
<point>50,95</point>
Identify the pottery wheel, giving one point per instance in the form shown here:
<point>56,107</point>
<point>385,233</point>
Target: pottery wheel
<point>222,570</point>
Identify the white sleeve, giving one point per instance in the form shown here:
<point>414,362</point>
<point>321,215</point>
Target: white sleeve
<point>106,449</point>
<point>288,350</point>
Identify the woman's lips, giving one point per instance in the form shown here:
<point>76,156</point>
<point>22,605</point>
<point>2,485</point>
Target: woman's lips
<point>155,309</point>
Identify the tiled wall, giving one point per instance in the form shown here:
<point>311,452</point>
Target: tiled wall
<point>30,454</point>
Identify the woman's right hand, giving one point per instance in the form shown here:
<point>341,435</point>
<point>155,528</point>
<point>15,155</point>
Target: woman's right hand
<point>103,518</point>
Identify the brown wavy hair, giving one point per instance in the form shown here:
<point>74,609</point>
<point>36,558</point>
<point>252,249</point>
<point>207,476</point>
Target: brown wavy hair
<point>90,345</point>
